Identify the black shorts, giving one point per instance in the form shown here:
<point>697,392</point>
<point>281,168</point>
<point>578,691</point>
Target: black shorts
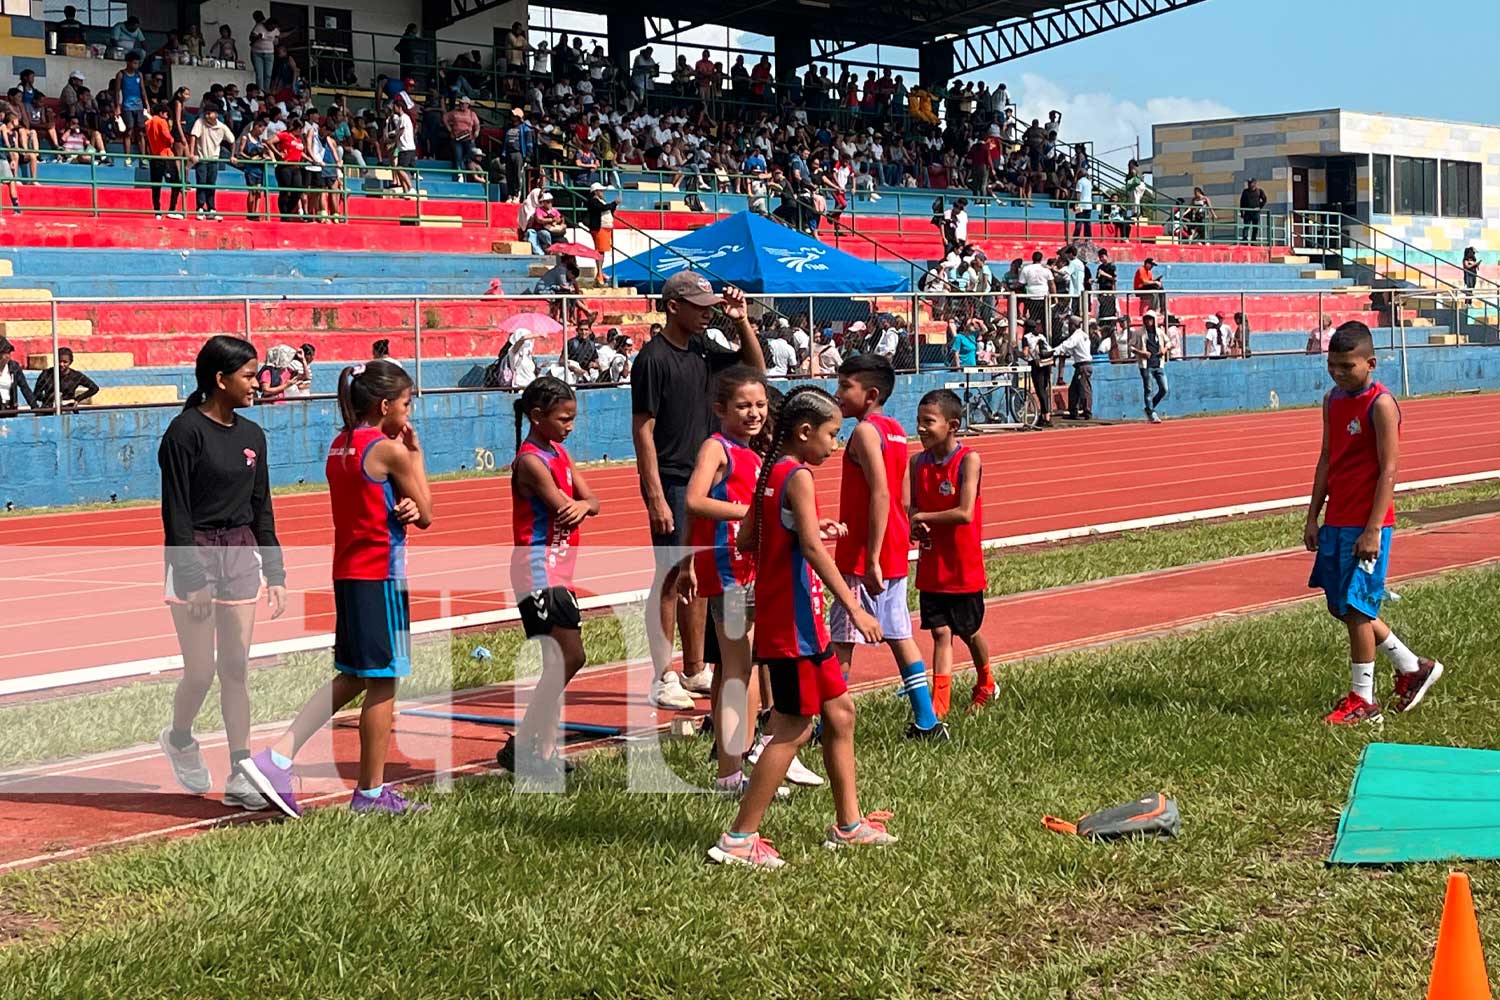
<point>963,613</point>
<point>230,559</point>
<point>544,610</point>
<point>134,118</point>
<point>314,179</point>
<point>372,630</point>
<point>406,159</point>
<point>669,546</point>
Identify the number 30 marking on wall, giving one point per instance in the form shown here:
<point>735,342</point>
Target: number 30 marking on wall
<point>484,459</point>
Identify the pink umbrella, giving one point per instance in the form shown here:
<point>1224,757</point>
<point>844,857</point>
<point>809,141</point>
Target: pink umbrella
<point>535,322</point>
<point>575,250</point>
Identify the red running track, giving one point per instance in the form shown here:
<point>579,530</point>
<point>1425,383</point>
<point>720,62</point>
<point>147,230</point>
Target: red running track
<point>86,591</point>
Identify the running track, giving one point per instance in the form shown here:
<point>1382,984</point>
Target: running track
<point>85,589</point>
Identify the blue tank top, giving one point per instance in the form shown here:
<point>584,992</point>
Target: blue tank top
<point>130,92</point>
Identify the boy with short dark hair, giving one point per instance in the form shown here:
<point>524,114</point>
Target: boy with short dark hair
<point>1357,477</point>
<point>872,554</point>
<point>947,523</point>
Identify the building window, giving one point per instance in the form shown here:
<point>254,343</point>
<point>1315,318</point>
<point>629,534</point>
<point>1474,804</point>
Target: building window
<point>1380,184</point>
<point>1462,196</point>
<point>1416,186</point>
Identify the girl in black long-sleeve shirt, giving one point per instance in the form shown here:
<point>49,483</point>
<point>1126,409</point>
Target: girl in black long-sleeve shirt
<point>221,538</point>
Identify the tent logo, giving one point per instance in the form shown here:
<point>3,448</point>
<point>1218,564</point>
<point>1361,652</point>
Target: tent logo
<point>686,257</point>
<point>803,259</point>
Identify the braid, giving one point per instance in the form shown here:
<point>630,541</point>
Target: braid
<point>801,403</point>
<point>542,394</point>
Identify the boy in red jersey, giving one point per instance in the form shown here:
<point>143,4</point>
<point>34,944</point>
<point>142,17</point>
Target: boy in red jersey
<point>947,522</point>
<point>1357,476</point>
<point>873,554</point>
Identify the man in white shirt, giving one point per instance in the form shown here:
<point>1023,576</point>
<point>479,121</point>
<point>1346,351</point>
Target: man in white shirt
<point>959,220</point>
<point>1213,338</point>
<point>1083,215</point>
<point>405,144</point>
<point>1074,271</point>
<point>1037,279</point>
<point>783,356</point>
<point>1076,348</point>
<point>890,339</point>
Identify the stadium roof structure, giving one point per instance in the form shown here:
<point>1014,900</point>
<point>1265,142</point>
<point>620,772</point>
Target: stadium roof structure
<point>981,32</point>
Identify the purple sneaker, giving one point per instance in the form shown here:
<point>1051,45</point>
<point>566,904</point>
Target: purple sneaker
<point>275,783</point>
<point>389,801</point>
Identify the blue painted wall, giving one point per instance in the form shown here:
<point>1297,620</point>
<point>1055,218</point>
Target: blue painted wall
<point>90,456</point>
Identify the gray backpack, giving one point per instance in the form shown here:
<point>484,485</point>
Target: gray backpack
<point>1152,815</point>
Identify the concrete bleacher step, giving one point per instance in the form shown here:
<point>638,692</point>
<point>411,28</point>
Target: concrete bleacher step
<point>70,329</point>
<point>1291,258</point>
<point>25,295</point>
<point>442,221</point>
<point>7,269</point>
<point>1447,339</point>
<point>670,206</point>
<point>1420,321</point>
<point>134,395</point>
<point>99,361</point>
<point>1319,274</point>
<point>656,186</point>
<point>511,248</point>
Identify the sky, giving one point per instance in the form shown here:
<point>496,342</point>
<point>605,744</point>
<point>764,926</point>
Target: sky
<point>1430,59</point>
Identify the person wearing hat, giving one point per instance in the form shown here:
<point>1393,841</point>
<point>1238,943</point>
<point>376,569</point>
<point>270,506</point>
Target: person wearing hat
<point>13,384</point>
<point>463,129</point>
<point>1147,283</point>
<point>670,387</point>
<point>1214,336</point>
<point>520,146</point>
<point>69,95</point>
<point>601,218</point>
<point>1151,349</point>
<point>546,225</point>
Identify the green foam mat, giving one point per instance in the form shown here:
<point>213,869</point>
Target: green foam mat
<point>1420,803</point>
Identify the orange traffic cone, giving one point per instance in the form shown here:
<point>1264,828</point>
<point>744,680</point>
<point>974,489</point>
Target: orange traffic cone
<point>1458,967</point>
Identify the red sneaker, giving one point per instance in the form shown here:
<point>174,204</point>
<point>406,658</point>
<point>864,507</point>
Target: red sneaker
<point>1353,710</point>
<point>1412,688</point>
<point>983,695</point>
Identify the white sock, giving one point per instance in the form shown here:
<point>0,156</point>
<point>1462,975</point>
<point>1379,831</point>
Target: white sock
<point>1362,677</point>
<point>1403,659</point>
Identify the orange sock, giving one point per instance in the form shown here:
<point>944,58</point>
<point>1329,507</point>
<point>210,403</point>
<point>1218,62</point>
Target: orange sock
<point>942,686</point>
<point>982,676</point>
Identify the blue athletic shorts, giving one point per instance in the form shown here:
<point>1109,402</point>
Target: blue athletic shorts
<point>1336,570</point>
<point>372,634</point>
<point>888,607</point>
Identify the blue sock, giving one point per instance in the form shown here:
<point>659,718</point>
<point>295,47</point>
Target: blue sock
<point>914,680</point>
<point>371,793</point>
<point>280,761</point>
<point>850,828</point>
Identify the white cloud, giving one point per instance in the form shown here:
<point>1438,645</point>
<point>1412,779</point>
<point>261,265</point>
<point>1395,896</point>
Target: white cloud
<point>1105,120</point>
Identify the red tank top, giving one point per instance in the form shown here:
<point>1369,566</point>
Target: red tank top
<point>951,561</point>
<point>788,594</point>
<point>545,552</point>
<point>717,561</point>
<point>368,542</point>
<point>1353,457</point>
<point>854,506</point>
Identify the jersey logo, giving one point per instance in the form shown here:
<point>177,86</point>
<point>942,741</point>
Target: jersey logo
<point>250,458</point>
<point>1353,427</point>
<point>538,605</point>
<point>946,487</point>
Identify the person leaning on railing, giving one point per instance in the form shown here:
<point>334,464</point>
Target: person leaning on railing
<point>76,386</point>
<point>209,137</point>
<point>13,385</point>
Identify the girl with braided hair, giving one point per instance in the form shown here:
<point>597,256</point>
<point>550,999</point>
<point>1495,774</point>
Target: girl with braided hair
<point>791,637</point>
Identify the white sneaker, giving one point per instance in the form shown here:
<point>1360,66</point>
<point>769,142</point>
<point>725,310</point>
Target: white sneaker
<point>174,215</point>
<point>158,215</point>
<point>753,757</point>
<point>701,683</point>
<point>187,765</point>
<point>668,693</point>
<point>736,785</point>
<point>800,774</point>
<point>239,791</point>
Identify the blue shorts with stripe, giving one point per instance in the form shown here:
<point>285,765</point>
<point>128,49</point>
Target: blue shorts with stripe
<point>1348,585</point>
<point>372,637</point>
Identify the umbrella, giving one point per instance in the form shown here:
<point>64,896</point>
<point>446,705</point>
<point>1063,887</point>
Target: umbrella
<point>535,322</point>
<point>575,250</point>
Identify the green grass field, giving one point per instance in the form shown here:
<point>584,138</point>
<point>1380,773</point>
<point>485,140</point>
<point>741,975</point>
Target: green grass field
<point>604,893</point>
<point>120,717</point>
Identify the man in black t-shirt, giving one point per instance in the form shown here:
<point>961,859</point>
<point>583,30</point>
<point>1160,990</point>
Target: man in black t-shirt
<point>670,386</point>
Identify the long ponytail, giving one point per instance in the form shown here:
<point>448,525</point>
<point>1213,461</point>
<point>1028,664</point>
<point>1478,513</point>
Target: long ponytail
<point>362,386</point>
<point>805,402</point>
<point>219,355</point>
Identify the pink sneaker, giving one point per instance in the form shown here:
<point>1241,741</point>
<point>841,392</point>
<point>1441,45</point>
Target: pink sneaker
<point>870,832</point>
<point>754,850</point>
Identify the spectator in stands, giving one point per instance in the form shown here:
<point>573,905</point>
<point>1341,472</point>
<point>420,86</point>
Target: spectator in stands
<point>285,74</point>
<point>10,163</point>
<point>1252,202</point>
<point>80,145</point>
<point>164,163</point>
<point>1318,339</point>
<point>276,377</point>
<point>301,372</point>
<point>1106,280</point>
<point>601,218</point>
<point>515,56</point>
<point>520,148</point>
<point>70,30</point>
<point>1215,337</point>
<point>315,174</point>
<point>1152,350</point>
<point>1037,280</point>
<point>251,154</point>
<point>265,35</point>
<point>1083,212</point>
<point>36,113</point>
<point>224,48</point>
<point>128,38</point>
<point>1149,287</point>
<point>69,98</point>
<point>76,387</point>
<point>290,152</point>
<point>409,50</point>
<point>13,385</point>
<point>963,344</point>
<point>192,44</point>
<point>129,92</point>
<point>1077,348</point>
<point>1471,275</point>
<point>463,132</point>
<point>177,118</point>
<point>546,226</point>
<point>209,137</point>
<point>1036,351</point>
<point>1075,274</point>
<point>401,137</point>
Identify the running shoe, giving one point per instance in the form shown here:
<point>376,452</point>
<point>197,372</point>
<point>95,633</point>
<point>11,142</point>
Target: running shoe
<point>753,757</point>
<point>1353,710</point>
<point>389,802</point>
<point>187,765</point>
<point>983,695</point>
<point>737,784</point>
<point>669,693</point>
<point>1413,687</point>
<point>238,791</point>
<point>701,683</point>
<point>275,783</point>
<point>870,832</point>
<point>754,850</point>
<point>933,734</point>
<point>505,757</point>
<point>799,774</point>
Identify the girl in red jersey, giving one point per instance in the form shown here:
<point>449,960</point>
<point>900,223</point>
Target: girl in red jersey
<point>792,638</point>
<point>377,485</point>
<point>549,500</point>
<point>947,522</point>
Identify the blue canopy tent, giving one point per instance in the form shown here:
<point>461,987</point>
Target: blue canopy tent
<point>761,257</point>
